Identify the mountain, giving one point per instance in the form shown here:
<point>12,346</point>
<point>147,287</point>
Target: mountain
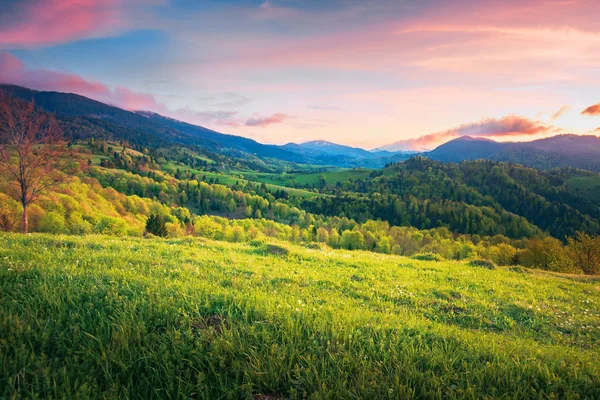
<point>406,146</point>
<point>324,152</point>
<point>465,148</point>
<point>577,151</point>
<point>82,117</point>
<point>221,141</point>
<point>324,147</point>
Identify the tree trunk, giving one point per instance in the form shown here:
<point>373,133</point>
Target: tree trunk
<point>25,220</point>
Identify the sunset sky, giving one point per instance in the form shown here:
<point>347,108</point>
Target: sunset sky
<point>362,73</point>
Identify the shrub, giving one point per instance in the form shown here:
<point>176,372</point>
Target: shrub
<point>503,254</point>
<point>428,257</point>
<point>111,226</point>
<point>482,263</point>
<point>10,213</point>
<point>174,230</point>
<point>547,253</point>
<point>80,227</point>
<point>207,227</point>
<point>352,240</point>
<point>275,249</point>
<point>237,234</point>
<point>256,243</point>
<point>52,222</point>
<point>585,252</point>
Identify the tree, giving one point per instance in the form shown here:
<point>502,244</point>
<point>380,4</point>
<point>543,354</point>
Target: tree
<point>585,252</point>
<point>156,225</point>
<point>33,153</point>
<point>352,240</point>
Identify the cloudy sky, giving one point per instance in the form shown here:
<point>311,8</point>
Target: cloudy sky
<point>359,72</point>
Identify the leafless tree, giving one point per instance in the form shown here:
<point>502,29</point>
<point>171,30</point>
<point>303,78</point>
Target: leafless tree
<point>33,153</point>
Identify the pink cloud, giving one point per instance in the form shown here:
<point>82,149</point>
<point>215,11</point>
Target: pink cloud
<point>13,71</point>
<point>559,113</point>
<point>509,126</point>
<point>592,110</point>
<point>515,41</point>
<point>47,22</point>
<point>265,121</point>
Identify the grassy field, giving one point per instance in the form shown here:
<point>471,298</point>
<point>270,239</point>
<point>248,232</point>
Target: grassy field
<point>588,184</point>
<point>103,317</point>
<point>331,177</point>
<point>226,179</point>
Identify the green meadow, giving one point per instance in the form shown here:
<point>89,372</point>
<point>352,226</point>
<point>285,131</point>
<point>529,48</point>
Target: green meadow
<point>587,184</point>
<point>107,317</point>
<point>310,178</point>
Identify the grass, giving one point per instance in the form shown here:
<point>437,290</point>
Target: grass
<point>229,180</point>
<point>588,184</point>
<point>106,317</point>
<point>331,177</point>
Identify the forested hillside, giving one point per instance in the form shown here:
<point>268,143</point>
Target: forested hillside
<point>482,197</point>
<point>576,151</point>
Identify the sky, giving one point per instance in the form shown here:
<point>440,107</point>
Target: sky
<point>365,73</point>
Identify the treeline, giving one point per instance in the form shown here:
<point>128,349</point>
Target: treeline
<point>482,197</point>
<point>84,207</point>
<point>119,154</point>
<point>240,200</point>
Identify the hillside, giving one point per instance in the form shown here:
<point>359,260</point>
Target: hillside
<point>202,319</point>
<point>83,118</point>
<point>575,151</point>
<point>482,197</point>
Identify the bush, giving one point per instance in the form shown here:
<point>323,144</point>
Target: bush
<point>585,252</point>
<point>80,227</point>
<point>352,240</point>
<point>237,234</point>
<point>111,226</point>
<point>276,250</point>
<point>207,227</point>
<point>547,253</point>
<point>52,222</point>
<point>482,264</point>
<point>256,243</point>
<point>503,254</point>
<point>174,230</point>
<point>10,213</point>
<point>428,257</point>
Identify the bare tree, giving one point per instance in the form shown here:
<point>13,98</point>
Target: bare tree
<point>33,153</point>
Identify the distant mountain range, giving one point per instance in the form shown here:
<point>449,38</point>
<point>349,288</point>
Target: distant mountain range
<point>82,117</point>
<point>336,154</point>
<point>578,151</point>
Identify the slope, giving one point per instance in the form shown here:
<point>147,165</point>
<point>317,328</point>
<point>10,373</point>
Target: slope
<point>200,319</point>
<point>83,117</point>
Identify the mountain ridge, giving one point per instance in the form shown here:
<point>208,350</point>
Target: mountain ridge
<point>82,117</point>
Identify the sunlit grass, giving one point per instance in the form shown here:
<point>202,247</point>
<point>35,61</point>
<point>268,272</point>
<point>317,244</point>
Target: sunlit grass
<point>106,317</point>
